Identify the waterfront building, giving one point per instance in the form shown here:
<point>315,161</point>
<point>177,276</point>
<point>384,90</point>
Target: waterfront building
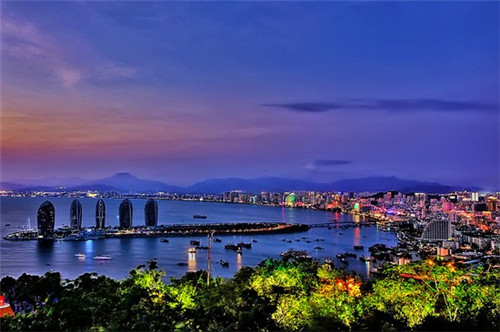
<point>75,214</point>
<point>100,214</point>
<point>46,217</point>
<point>290,200</point>
<point>126,213</point>
<point>439,229</point>
<point>151,212</point>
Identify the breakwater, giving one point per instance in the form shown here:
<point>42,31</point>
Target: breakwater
<point>66,234</point>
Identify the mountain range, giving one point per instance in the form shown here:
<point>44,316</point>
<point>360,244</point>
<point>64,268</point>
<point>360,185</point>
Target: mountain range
<point>126,182</point>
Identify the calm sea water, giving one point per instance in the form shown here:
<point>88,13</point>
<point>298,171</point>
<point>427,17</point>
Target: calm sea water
<point>33,257</point>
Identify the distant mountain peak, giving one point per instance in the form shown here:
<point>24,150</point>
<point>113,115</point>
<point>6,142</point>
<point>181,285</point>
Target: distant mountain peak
<point>124,174</point>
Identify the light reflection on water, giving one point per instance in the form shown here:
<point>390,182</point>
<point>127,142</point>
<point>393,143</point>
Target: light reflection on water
<point>33,257</point>
<point>239,261</point>
<point>192,262</point>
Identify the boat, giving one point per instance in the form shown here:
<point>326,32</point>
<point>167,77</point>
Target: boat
<point>194,242</point>
<point>367,259</point>
<point>239,251</point>
<point>102,257</point>
<point>80,255</point>
<point>254,240</point>
<point>192,250</point>
<point>7,224</point>
<point>199,216</point>
<point>201,247</point>
<point>244,245</point>
<point>164,240</point>
<point>217,240</point>
<point>318,248</point>
<point>182,264</point>
<point>344,260</point>
<point>359,247</point>
<point>224,263</point>
<point>328,261</point>
<point>231,246</point>
<point>292,253</point>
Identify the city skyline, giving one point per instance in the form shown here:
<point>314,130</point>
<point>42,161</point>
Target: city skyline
<point>182,92</point>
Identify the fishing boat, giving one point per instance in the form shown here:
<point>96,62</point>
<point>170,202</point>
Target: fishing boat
<point>102,257</point>
<point>164,240</point>
<point>194,243</point>
<point>217,240</point>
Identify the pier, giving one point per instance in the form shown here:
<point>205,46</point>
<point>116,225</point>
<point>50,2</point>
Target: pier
<point>66,234</point>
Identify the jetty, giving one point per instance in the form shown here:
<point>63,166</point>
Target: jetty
<point>243,228</point>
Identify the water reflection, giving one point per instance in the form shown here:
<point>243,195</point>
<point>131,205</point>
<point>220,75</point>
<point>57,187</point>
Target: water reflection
<point>356,236</point>
<point>191,262</point>
<point>239,261</point>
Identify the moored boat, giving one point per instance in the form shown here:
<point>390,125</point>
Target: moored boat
<point>102,257</point>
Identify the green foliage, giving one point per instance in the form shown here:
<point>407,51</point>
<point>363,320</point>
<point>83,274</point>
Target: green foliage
<point>288,294</point>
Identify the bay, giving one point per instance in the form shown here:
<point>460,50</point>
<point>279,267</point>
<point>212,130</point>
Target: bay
<point>33,257</point>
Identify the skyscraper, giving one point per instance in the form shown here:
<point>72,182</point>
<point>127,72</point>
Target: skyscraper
<point>151,212</point>
<point>46,218</point>
<point>100,214</point>
<point>75,214</point>
<point>439,229</point>
<point>126,213</point>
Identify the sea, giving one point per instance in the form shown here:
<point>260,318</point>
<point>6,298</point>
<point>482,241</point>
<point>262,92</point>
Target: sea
<point>34,257</point>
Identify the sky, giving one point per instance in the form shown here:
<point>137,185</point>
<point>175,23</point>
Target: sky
<point>185,91</point>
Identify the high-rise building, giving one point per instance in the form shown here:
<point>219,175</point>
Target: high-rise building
<point>439,229</point>
<point>126,213</point>
<point>100,214</point>
<point>46,217</point>
<point>75,214</point>
<point>151,213</point>
<point>492,202</point>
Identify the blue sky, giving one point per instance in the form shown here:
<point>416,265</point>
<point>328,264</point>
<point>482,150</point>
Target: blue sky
<point>184,91</point>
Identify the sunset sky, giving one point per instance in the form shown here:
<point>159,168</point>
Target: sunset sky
<point>182,92</point>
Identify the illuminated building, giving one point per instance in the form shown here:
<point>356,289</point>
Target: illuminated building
<point>492,203</point>
<point>290,200</point>
<point>46,217</point>
<point>126,213</point>
<point>100,214</point>
<point>151,213</point>
<point>75,214</point>
<point>439,229</point>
